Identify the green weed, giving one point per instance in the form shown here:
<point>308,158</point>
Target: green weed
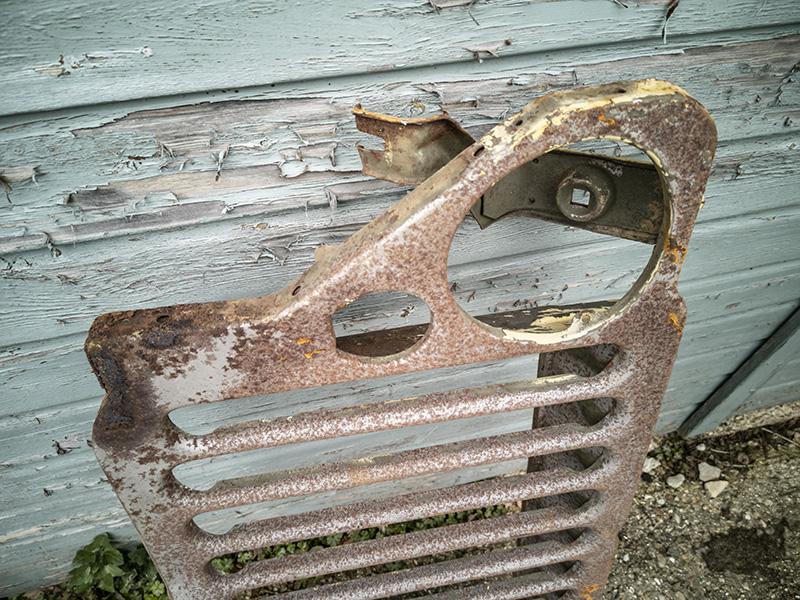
<point>102,572</point>
<point>673,449</point>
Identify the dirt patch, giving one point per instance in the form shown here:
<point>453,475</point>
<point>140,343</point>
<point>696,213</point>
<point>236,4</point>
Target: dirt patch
<point>680,543</point>
<point>746,550</point>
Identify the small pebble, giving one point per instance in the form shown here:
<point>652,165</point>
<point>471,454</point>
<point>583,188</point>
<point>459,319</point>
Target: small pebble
<point>700,447</point>
<point>707,472</point>
<point>676,481</point>
<point>714,488</point>
<point>650,464</point>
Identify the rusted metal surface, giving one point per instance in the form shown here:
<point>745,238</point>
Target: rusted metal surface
<point>603,373</point>
<point>623,196</point>
<point>414,148</point>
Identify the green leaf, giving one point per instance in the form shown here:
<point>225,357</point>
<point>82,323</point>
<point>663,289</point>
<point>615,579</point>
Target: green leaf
<point>112,570</point>
<point>224,564</point>
<point>106,583</point>
<point>81,577</point>
<point>83,557</point>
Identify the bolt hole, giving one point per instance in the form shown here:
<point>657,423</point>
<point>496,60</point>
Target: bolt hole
<point>478,150</point>
<point>162,318</point>
<point>518,123</point>
<point>581,197</point>
<point>296,290</point>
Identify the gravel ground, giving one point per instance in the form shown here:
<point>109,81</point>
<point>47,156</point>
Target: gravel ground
<point>684,543</point>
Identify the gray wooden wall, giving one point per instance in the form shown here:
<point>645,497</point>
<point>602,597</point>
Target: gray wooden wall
<point>166,153</point>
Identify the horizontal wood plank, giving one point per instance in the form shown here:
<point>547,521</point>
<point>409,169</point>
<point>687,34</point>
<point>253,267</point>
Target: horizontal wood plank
<point>112,173</point>
<point>760,367</point>
<point>55,56</point>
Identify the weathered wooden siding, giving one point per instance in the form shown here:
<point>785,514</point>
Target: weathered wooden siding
<point>204,153</point>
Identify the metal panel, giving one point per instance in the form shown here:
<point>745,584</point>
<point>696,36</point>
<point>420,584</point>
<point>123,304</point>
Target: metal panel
<point>595,405</point>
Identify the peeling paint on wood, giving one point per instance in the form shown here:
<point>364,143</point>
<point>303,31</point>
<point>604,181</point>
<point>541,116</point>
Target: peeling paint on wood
<point>195,50</point>
<point>165,160</point>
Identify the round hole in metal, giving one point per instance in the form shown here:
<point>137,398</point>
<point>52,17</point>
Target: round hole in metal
<point>381,323</point>
<point>595,216</point>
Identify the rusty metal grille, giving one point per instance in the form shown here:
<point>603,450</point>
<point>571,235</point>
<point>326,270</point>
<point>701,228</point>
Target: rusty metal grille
<point>603,371</point>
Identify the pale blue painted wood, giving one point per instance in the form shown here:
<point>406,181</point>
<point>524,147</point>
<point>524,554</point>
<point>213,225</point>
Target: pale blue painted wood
<point>155,191</point>
<point>782,347</point>
<point>54,56</point>
<point>781,388</point>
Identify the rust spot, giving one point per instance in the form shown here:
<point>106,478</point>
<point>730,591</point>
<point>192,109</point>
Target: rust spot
<point>675,250</point>
<point>161,338</point>
<point>414,148</point>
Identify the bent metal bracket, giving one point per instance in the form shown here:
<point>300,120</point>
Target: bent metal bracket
<point>603,368</point>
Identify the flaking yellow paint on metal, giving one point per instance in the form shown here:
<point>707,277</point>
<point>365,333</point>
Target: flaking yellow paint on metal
<point>573,102</point>
<point>589,590</point>
<point>676,322</point>
<point>675,250</point>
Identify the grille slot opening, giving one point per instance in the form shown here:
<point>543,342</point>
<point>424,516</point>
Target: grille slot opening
<point>419,548</point>
<point>202,419</point>
<point>445,484</point>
